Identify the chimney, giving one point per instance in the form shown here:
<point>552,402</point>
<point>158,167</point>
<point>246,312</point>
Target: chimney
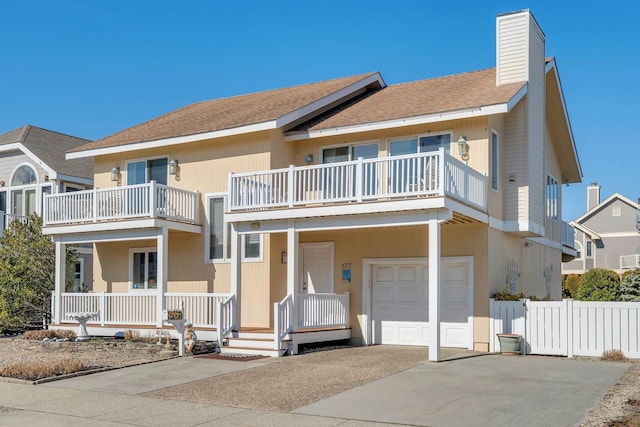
<point>593,195</point>
<point>519,48</point>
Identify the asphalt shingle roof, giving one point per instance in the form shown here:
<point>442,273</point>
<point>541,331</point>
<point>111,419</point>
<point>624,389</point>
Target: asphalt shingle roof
<point>50,147</point>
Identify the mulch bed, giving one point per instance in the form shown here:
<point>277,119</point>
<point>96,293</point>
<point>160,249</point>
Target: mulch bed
<point>234,357</point>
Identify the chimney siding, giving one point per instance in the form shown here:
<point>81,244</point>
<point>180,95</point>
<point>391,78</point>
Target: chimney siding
<point>593,196</point>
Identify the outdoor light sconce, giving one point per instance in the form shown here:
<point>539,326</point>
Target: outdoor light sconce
<point>173,167</point>
<point>308,158</point>
<point>115,172</point>
<point>463,147</point>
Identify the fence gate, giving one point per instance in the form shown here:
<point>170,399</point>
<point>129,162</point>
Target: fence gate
<point>546,328</point>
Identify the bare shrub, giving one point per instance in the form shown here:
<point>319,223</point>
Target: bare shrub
<point>614,355</point>
<point>38,370</point>
<point>132,335</point>
<point>39,335</point>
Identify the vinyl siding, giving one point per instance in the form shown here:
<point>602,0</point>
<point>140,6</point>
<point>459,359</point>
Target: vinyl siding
<point>515,193</point>
<point>511,48</point>
<point>10,160</point>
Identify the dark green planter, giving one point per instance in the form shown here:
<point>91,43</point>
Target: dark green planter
<point>509,343</point>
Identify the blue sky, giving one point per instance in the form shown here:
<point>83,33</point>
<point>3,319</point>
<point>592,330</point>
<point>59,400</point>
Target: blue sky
<point>92,68</point>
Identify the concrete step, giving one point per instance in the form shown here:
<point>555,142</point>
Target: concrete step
<point>252,351</point>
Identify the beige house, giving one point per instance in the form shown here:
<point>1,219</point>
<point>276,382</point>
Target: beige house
<point>343,209</point>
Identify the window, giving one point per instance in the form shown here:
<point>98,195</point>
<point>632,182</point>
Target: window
<point>552,198</point>
<point>420,144</point>
<point>494,161</point>
<point>218,237</point>
<point>143,268</point>
<point>616,211</point>
<point>578,247</point>
<point>143,171</point>
<point>24,175</point>
<point>349,152</point>
<point>589,251</point>
<point>338,187</point>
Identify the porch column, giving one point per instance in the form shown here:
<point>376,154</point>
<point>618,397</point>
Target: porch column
<point>162,273</point>
<point>434,290</point>
<point>292,269</point>
<point>60,274</point>
<point>236,273</point>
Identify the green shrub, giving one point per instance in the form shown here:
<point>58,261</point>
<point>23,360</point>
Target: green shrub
<point>505,295</point>
<point>571,284</point>
<point>630,286</point>
<point>599,284</point>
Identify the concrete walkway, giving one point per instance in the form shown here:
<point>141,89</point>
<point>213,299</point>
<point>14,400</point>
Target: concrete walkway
<point>489,390</point>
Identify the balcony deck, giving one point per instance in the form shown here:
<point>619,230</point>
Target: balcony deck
<point>134,202</point>
<point>383,179</point>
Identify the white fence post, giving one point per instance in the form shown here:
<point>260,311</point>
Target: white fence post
<point>569,310</point>
<point>291,185</point>
<point>103,308</point>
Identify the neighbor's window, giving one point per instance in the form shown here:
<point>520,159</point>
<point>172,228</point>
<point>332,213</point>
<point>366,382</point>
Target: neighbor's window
<point>578,246</point>
<point>494,160</point>
<point>143,268</point>
<point>143,171</point>
<point>552,198</point>
<point>616,211</point>
<point>24,175</point>
<point>589,253</point>
<point>219,234</point>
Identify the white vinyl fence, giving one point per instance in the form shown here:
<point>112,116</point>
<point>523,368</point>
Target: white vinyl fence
<point>568,327</point>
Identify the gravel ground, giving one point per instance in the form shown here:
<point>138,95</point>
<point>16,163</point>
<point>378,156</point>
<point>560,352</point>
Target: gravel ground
<point>315,376</point>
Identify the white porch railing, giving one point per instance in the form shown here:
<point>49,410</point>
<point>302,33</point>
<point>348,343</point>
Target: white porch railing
<point>226,318</point>
<point>629,262</point>
<point>568,235</point>
<point>149,200</point>
<point>282,320</point>
<point>431,174</point>
<point>199,309</point>
<point>323,310</point>
<point>7,218</point>
<point>568,327</point>
<point>141,309</point>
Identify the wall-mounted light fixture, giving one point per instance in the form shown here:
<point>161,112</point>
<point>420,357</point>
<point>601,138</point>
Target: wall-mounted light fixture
<point>284,257</point>
<point>115,172</point>
<point>308,158</point>
<point>463,147</point>
<point>45,178</point>
<point>173,167</point>
<point>1,183</point>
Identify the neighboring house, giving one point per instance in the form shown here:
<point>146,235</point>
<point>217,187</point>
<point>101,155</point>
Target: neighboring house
<point>607,235</point>
<point>344,209</point>
<point>33,165</point>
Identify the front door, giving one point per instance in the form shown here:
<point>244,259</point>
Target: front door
<point>317,268</point>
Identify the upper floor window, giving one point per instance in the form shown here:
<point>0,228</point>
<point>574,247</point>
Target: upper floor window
<point>349,152</point>
<point>589,251</point>
<point>143,171</point>
<point>578,246</point>
<point>552,198</point>
<point>616,211</point>
<point>494,161</point>
<point>421,144</point>
<point>24,175</point>
<point>218,236</point>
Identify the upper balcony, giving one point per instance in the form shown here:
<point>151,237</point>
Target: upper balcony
<point>102,206</point>
<point>382,179</point>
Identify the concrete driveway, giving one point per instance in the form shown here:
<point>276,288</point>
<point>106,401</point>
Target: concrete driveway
<point>478,390</point>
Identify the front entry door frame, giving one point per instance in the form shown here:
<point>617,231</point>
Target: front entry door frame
<point>329,266</point>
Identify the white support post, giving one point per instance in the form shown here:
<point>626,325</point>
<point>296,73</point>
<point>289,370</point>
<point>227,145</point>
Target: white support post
<point>292,270</point>
<point>442,160</point>
<point>152,199</point>
<point>236,274</point>
<point>434,289</point>
<point>359,179</point>
<point>291,185</point>
<point>95,204</point>
<point>61,269</point>
<point>162,272</point>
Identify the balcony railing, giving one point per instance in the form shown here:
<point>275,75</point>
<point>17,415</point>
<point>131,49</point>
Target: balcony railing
<point>568,235</point>
<point>424,174</point>
<point>629,262</point>
<point>149,200</point>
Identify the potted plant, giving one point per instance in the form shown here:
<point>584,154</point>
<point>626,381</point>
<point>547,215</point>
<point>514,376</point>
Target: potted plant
<point>509,343</point>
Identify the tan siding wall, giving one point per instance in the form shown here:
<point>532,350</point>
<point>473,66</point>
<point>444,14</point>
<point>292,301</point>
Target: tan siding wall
<point>515,193</point>
<point>511,48</point>
<point>352,246</point>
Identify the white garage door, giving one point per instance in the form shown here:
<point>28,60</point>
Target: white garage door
<point>400,304</point>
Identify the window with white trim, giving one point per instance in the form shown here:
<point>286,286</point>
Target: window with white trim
<point>616,211</point>
<point>143,171</point>
<point>143,268</point>
<point>589,251</point>
<point>218,234</point>
<point>420,144</point>
<point>578,247</point>
<point>552,198</point>
<point>494,160</point>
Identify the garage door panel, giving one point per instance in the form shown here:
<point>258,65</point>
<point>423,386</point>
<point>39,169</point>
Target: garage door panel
<point>400,305</point>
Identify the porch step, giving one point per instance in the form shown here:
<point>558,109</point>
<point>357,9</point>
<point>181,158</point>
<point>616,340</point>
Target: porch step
<point>250,342</point>
<point>252,351</point>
